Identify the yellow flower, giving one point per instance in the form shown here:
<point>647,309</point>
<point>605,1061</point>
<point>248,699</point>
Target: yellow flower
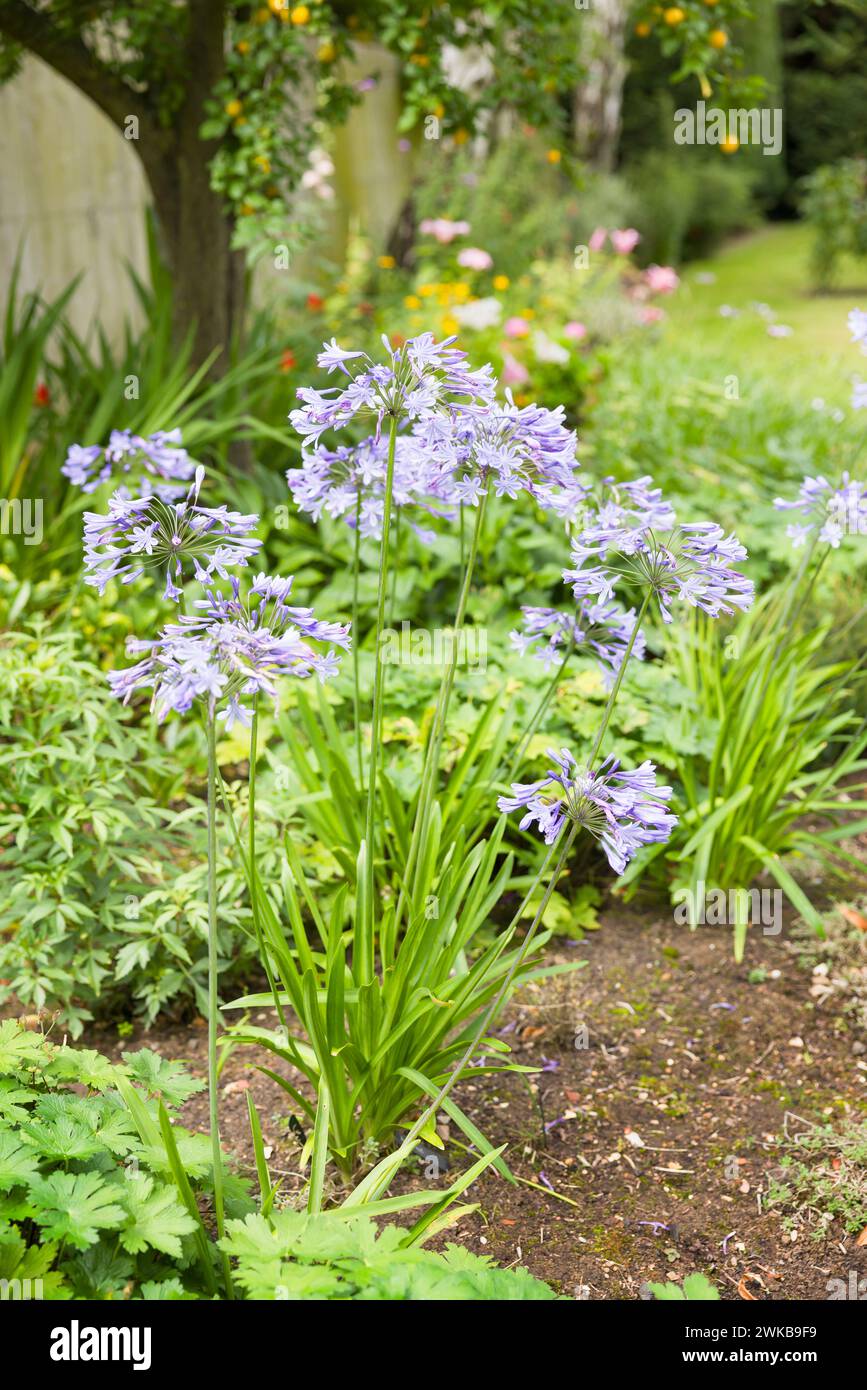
<point>449,325</point>
<point>461,136</point>
<point>278,7</point>
<point>262,16</point>
<point>553,156</point>
<point>501,282</point>
<point>730,144</point>
<point>263,162</point>
<point>386,262</point>
<point>642,30</point>
<point>427,290</point>
<point>234,107</point>
<point>439,110</point>
<point>421,60</point>
<point>247,209</point>
<point>326,52</point>
<point>460,292</point>
<point>718,38</point>
<point>412,301</point>
<point>674,15</point>
<point>300,14</point>
<point>527,314</point>
<point>243,46</point>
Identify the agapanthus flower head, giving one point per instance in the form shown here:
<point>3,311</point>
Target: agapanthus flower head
<point>598,629</point>
<point>146,534</point>
<point>233,649</point>
<point>623,810</point>
<point>349,482</point>
<point>630,534</point>
<point>835,511</point>
<point>159,461</point>
<point>507,448</point>
<point>418,379</point>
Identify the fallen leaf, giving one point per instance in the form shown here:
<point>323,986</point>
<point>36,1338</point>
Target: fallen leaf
<point>854,918</point>
<point>862,1239</point>
<point>744,1291</point>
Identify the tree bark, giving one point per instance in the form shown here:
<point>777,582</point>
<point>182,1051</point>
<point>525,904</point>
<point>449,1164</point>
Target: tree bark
<point>195,228</point>
<point>599,99</point>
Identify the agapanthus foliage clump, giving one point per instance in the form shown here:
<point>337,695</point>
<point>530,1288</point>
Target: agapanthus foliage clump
<point>180,539</point>
<point>623,810</point>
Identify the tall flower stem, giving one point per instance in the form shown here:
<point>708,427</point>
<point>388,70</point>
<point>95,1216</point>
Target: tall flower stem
<point>253,872</point>
<point>613,693</point>
<point>539,712</point>
<point>503,993</point>
<point>356,569</point>
<point>366,948</point>
<point>432,756</point>
<point>213,1102</point>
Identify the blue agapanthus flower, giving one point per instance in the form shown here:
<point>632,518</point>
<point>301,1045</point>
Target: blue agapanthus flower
<point>631,534</point>
<point>158,461</point>
<point>506,449</point>
<point>232,649</point>
<point>598,629</point>
<point>143,534</point>
<point>417,380</point>
<point>836,511</point>
<point>622,810</point>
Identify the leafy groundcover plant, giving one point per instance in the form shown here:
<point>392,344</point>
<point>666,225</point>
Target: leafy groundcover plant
<point>391,996</point>
<point>100,1192</point>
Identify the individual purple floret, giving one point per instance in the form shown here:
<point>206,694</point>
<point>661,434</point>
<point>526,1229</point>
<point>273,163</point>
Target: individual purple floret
<point>418,379</point>
<point>623,810</point>
<point>232,648</point>
<point>858,327</point>
<point>602,629</point>
<point>837,511</point>
<point>142,534</point>
<point>158,456</point>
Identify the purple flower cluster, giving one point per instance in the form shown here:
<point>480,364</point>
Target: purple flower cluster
<point>693,563</point>
<point>419,379</point>
<point>837,511</point>
<point>512,449</point>
<point>623,810</point>
<point>141,534</point>
<point>233,648</point>
<point>159,456</point>
<point>602,629</point>
<point>349,482</point>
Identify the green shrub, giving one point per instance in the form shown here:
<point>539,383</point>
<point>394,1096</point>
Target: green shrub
<point>835,205</point>
<point>99,913</point>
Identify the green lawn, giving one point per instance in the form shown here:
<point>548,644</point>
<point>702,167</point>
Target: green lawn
<point>771,266</point>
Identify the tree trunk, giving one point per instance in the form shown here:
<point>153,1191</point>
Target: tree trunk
<point>598,101</point>
<point>195,236</point>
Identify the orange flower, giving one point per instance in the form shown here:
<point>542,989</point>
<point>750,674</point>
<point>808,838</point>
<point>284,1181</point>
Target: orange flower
<point>674,15</point>
<point>553,156</point>
<point>718,38</point>
<point>42,395</point>
<point>315,301</point>
<point>730,144</point>
<point>287,360</point>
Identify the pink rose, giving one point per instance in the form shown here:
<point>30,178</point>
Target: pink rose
<point>598,239</point>
<point>474,258</point>
<point>625,241</point>
<point>514,373</point>
<point>661,279</point>
<point>575,330</point>
<point>516,328</point>
<point>651,313</point>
